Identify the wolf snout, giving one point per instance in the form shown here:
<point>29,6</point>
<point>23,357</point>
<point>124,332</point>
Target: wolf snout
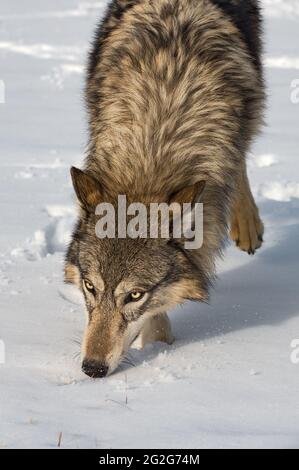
<point>94,369</point>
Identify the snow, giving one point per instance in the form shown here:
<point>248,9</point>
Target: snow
<point>280,191</point>
<point>282,62</point>
<point>229,379</point>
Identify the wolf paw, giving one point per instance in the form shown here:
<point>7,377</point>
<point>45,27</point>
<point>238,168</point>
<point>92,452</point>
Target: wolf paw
<point>247,229</point>
<point>157,328</point>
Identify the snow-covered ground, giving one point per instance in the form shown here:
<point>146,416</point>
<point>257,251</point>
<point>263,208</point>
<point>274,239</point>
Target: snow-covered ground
<point>228,381</point>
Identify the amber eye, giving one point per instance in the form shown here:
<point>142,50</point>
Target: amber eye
<point>134,296</point>
<point>88,286</point>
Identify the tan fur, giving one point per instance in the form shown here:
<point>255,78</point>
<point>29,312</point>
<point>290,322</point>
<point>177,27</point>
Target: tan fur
<point>247,229</point>
<point>71,274</point>
<point>100,327</point>
<point>157,328</point>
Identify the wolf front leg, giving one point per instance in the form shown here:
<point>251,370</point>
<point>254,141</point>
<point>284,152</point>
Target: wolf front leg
<point>157,328</point>
<point>247,229</point>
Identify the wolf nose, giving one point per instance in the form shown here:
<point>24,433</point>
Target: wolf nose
<point>94,369</point>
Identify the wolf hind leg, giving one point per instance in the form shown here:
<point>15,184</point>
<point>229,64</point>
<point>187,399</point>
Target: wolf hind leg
<point>157,328</point>
<point>247,229</point>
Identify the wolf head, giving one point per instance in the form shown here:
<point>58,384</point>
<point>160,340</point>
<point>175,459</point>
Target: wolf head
<point>125,281</point>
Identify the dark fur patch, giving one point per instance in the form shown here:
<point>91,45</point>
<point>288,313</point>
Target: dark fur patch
<point>245,14</point>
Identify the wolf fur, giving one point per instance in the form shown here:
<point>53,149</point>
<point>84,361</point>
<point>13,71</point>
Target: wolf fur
<point>175,96</point>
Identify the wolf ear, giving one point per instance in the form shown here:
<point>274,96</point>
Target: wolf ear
<point>190,194</point>
<point>87,189</point>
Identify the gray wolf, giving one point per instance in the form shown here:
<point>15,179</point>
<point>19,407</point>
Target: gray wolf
<point>175,97</point>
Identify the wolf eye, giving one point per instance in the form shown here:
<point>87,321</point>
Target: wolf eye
<point>88,286</point>
<point>134,296</point>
